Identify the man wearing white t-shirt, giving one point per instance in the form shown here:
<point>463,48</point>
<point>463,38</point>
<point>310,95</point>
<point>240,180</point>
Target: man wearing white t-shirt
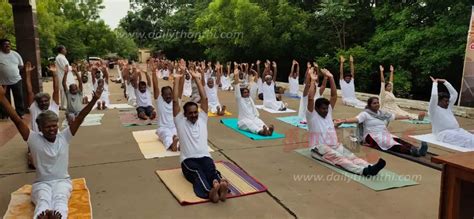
<point>293,79</point>
<point>214,104</point>
<point>323,138</point>
<point>145,108</point>
<point>196,162</point>
<point>50,150</point>
<point>166,130</point>
<point>10,65</point>
<point>444,125</point>
<point>347,85</point>
<point>62,64</point>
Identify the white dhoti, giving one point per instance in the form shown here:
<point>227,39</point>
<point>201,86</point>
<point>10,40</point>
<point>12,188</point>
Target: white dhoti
<point>213,107</point>
<point>251,125</point>
<point>51,195</point>
<point>459,137</point>
<point>338,155</point>
<point>354,102</point>
<point>166,135</point>
<point>273,104</point>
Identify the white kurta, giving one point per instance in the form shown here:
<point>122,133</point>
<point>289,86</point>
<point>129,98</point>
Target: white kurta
<point>269,97</point>
<point>304,105</point>
<point>294,85</point>
<point>348,94</point>
<point>248,114</point>
<point>61,63</point>
<point>166,128</point>
<point>187,88</point>
<point>444,124</point>
<point>212,98</point>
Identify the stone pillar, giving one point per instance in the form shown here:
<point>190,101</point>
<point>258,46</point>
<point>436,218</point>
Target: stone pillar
<point>27,40</point>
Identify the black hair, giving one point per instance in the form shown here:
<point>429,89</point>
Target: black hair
<point>3,41</point>
<point>347,75</point>
<point>320,102</point>
<point>60,48</point>
<point>243,89</point>
<point>443,95</point>
<point>370,101</point>
<point>187,105</point>
<point>141,83</point>
<point>386,84</point>
<point>166,88</point>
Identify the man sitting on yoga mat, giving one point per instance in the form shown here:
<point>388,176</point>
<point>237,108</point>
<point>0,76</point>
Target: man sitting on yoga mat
<point>166,129</point>
<point>50,152</point>
<point>145,108</point>
<point>211,90</point>
<point>270,100</point>
<point>444,125</point>
<point>304,98</point>
<point>347,84</point>
<point>373,130</point>
<point>323,138</point>
<point>248,114</point>
<point>196,162</point>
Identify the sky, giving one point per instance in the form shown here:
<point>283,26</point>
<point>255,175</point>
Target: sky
<point>114,11</point>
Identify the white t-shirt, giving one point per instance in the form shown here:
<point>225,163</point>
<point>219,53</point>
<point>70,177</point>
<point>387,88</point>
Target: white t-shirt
<point>61,62</point>
<point>9,67</point>
<point>165,113</point>
<point>372,124</point>
<point>187,89</point>
<point>247,108</point>
<point>143,99</point>
<point>268,91</point>
<point>321,130</point>
<point>51,159</point>
<point>348,89</point>
<point>442,119</point>
<point>35,111</point>
<point>192,137</point>
<point>294,85</point>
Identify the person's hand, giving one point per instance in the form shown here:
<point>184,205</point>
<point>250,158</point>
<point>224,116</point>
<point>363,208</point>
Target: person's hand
<point>433,80</point>
<point>308,65</point>
<point>2,91</point>
<point>312,75</point>
<point>29,68</point>
<point>327,73</point>
<point>195,74</point>
<point>338,122</point>
<point>351,59</point>
<point>315,64</point>
<point>258,62</point>
<point>294,62</point>
<point>391,68</point>
<point>342,59</point>
<point>381,68</point>
<point>274,64</point>
<point>441,80</point>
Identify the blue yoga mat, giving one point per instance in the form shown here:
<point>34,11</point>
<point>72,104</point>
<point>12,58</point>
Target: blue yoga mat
<point>292,96</point>
<point>424,121</point>
<point>232,123</point>
<point>295,121</point>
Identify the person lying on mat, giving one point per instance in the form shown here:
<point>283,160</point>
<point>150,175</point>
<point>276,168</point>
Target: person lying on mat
<point>444,125</point>
<point>293,78</point>
<point>304,97</point>
<point>166,130</point>
<point>269,98</point>
<point>388,101</point>
<point>145,109</point>
<point>346,82</point>
<point>248,114</point>
<point>73,96</point>
<point>50,151</point>
<point>323,138</point>
<point>373,130</point>
<point>196,162</point>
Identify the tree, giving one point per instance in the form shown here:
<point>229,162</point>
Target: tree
<point>337,12</point>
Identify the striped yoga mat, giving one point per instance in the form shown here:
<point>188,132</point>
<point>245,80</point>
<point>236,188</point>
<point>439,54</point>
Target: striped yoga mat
<point>79,203</point>
<point>241,183</point>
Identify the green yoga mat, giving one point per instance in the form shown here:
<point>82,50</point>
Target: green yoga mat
<point>295,121</point>
<point>424,121</point>
<point>383,181</point>
<point>232,123</point>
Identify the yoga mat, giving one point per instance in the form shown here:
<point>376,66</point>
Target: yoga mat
<point>79,203</point>
<point>130,119</point>
<point>90,120</point>
<point>288,110</point>
<point>430,138</point>
<point>295,121</point>
<point>120,106</point>
<point>294,96</point>
<point>424,121</point>
<point>232,123</point>
<point>383,181</point>
<point>151,146</point>
<point>425,160</point>
<point>241,183</point>
<point>227,113</point>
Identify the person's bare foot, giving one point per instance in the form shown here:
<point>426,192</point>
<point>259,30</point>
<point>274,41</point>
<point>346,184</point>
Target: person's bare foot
<point>214,193</point>
<point>174,145</point>
<point>153,115</point>
<point>104,106</point>
<point>421,115</point>
<point>265,130</point>
<point>270,129</point>
<point>142,116</point>
<point>224,108</point>
<point>99,106</point>
<point>29,159</point>
<point>224,189</point>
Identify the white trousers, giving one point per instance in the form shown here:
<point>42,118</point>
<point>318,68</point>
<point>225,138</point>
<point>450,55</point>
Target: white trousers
<point>51,195</point>
<point>459,137</point>
<point>166,135</point>
<point>255,125</point>
<point>338,155</point>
